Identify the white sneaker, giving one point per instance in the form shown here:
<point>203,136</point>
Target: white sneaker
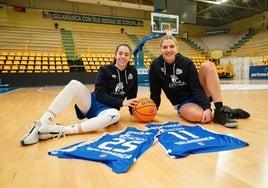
<point>32,135</point>
<point>51,131</point>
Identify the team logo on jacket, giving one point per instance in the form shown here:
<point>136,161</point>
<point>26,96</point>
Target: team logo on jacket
<point>175,81</point>
<point>119,89</point>
<point>178,71</point>
<point>130,76</point>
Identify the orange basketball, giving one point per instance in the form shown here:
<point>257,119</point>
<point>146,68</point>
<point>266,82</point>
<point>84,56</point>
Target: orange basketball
<point>145,110</point>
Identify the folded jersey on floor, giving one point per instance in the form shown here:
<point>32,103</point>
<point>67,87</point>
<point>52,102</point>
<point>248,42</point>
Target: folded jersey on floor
<point>179,140</point>
<point>118,150</point>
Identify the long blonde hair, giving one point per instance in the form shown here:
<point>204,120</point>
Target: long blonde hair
<point>167,37</point>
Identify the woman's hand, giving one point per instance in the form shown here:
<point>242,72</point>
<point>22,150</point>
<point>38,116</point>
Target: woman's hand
<point>130,102</point>
<point>207,116</point>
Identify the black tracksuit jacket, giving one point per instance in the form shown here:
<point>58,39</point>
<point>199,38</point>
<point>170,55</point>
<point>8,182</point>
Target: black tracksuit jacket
<point>178,80</point>
<point>112,86</point>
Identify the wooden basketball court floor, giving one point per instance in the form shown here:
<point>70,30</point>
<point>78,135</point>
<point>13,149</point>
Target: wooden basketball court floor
<point>31,166</point>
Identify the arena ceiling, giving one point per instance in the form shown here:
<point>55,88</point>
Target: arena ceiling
<point>214,14</point>
<point>208,12</point>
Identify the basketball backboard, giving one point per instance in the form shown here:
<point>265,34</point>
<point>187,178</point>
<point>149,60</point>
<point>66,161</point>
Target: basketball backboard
<point>162,23</point>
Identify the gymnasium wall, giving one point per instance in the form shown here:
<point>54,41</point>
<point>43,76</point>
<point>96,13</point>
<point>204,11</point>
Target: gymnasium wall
<point>33,18</point>
<point>83,8</point>
<point>256,22</point>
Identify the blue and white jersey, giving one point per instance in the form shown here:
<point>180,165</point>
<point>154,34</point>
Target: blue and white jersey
<point>118,150</point>
<point>180,140</point>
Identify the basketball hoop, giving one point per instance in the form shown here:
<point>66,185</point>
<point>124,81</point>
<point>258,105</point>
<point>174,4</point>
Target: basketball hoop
<point>164,23</point>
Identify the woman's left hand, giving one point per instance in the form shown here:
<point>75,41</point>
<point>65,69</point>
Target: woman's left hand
<point>207,116</point>
<point>130,102</point>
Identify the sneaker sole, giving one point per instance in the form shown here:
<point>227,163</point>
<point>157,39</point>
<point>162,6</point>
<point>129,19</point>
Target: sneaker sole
<point>228,125</point>
<point>231,125</point>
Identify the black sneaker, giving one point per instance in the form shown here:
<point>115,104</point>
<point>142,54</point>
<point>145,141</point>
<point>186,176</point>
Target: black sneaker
<point>224,118</point>
<point>237,112</point>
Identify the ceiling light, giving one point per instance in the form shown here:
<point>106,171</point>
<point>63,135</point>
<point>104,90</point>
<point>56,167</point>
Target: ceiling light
<point>217,2</point>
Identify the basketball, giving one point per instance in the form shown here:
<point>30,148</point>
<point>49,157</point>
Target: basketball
<point>145,110</point>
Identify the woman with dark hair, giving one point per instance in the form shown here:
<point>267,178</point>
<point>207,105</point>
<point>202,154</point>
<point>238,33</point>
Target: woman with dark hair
<point>116,86</point>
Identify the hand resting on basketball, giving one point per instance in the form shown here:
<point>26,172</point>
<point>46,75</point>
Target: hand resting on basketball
<point>130,102</point>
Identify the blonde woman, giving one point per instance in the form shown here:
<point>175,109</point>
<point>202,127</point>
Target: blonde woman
<point>189,91</point>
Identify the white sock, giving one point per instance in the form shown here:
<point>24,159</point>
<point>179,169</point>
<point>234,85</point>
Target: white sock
<point>48,116</point>
<point>73,129</point>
